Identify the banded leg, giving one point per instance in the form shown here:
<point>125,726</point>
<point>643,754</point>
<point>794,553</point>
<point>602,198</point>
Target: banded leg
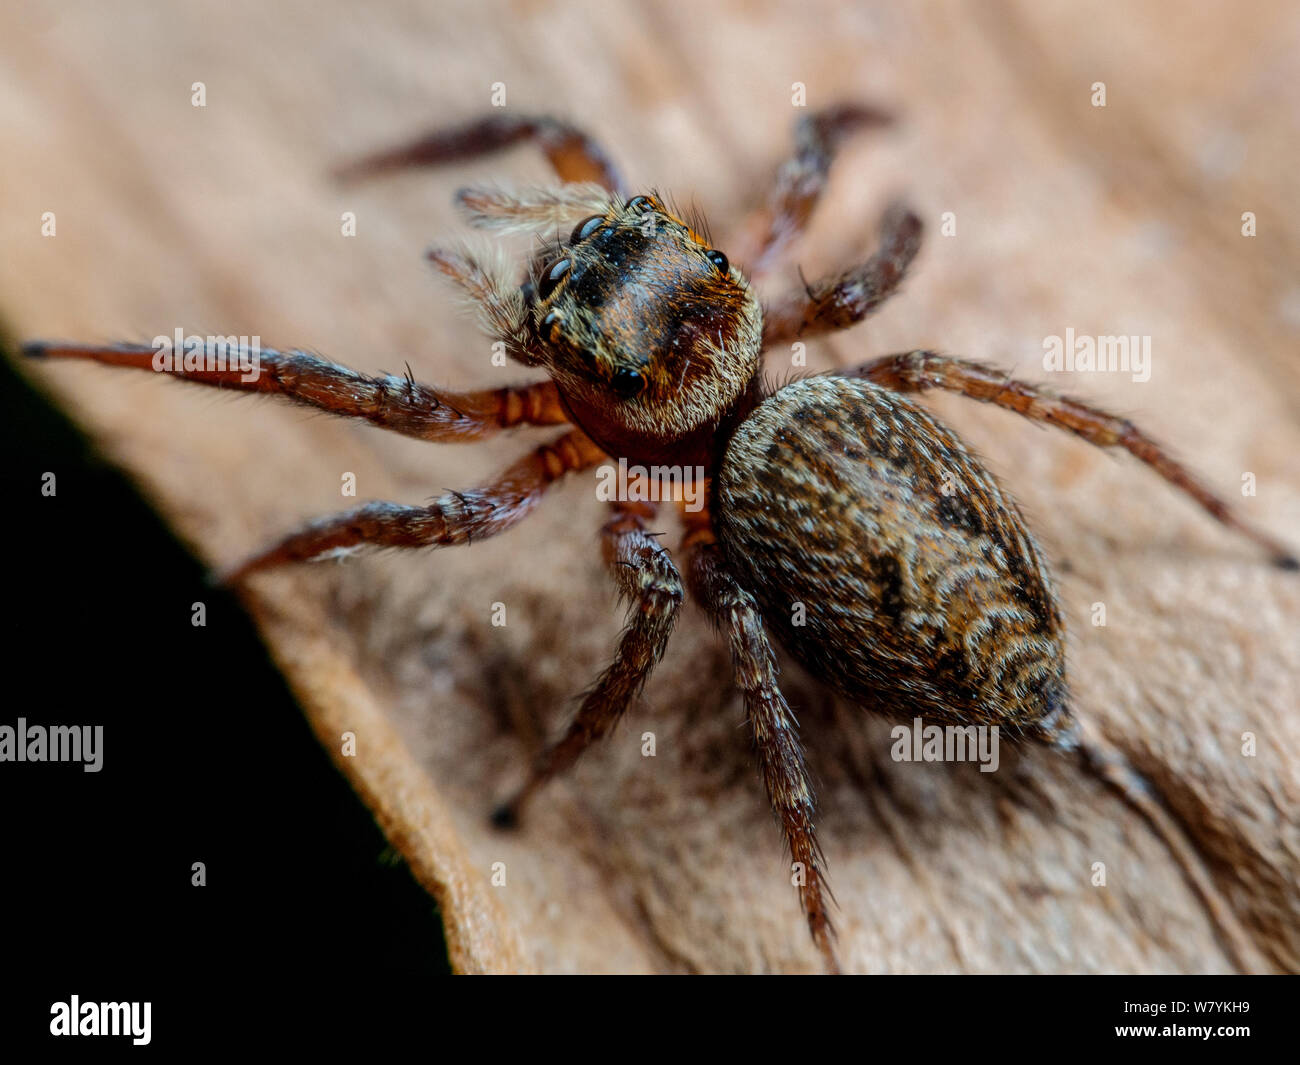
<point>917,371</point>
<point>647,577</point>
<point>574,155</point>
<point>844,300</point>
<point>802,179</point>
<point>775,730</point>
<point>398,404</point>
<point>454,518</point>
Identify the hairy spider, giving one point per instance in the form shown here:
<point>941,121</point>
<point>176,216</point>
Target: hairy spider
<point>923,592</point>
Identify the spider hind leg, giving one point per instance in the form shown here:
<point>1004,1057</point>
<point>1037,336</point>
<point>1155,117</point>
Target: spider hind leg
<point>917,371</point>
<point>775,731</point>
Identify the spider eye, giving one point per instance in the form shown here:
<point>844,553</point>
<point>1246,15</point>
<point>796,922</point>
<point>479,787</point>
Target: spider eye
<point>628,383</point>
<point>640,203</point>
<point>586,228</point>
<point>552,277</point>
<point>719,260</point>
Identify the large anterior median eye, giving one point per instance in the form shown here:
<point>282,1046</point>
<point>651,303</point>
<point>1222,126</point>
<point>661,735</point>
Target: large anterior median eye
<point>552,277</point>
<point>719,260</point>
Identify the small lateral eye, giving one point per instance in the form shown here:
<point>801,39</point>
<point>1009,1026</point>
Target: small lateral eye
<point>640,203</point>
<point>719,260</point>
<point>628,383</point>
<point>586,228</point>
<point>552,277</point>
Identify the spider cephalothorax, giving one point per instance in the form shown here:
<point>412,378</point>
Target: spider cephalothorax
<point>837,500</point>
<point>649,333</point>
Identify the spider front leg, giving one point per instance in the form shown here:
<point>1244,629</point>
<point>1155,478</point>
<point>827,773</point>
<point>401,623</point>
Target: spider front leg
<point>573,154</point>
<point>398,404</point>
<point>844,300</point>
<point>802,179</point>
<point>916,371</point>
<point>775,730</point>
<point>454,518</point>
<point>647,577</point>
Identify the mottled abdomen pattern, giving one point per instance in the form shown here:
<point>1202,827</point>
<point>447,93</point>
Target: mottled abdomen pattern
<point>889,561</point>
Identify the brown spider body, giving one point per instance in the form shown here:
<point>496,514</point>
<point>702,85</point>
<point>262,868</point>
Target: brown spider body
<point>842,515</point>
<point>889,561</point>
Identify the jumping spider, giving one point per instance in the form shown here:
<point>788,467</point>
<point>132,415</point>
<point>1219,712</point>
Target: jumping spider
<point>827,492</point>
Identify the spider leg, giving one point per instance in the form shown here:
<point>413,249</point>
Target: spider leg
<point>453,518</point>
<point>916,371</point>
<point>646,576</point>
<point>801,180</point>
<point>573,154</point>
<point>845,299</point>
<point>775,730</point>
<point>398,404</point>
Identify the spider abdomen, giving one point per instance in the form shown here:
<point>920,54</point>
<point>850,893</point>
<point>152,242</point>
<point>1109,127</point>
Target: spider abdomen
<point>889,560</point>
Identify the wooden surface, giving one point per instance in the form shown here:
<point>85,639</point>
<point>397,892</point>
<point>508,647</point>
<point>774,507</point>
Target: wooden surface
<point>1118,220</point>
